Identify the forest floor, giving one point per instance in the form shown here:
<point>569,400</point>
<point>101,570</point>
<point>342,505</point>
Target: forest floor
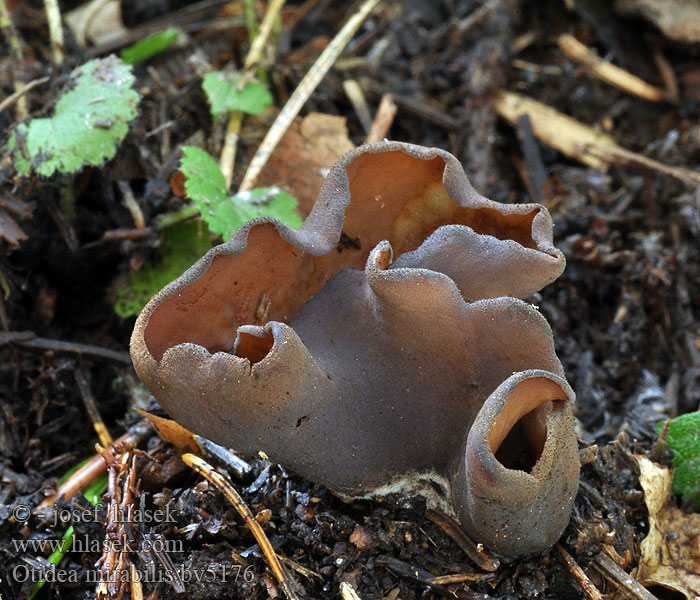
<point>625,314</point>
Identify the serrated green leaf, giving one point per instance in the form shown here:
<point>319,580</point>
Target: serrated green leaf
<point>684,439</point>
<point>269,202</point>
<point>227,93</point>
<point>183,244</point>
<point>206,187</point>
<point>149,46</point>
<point>89,121</point>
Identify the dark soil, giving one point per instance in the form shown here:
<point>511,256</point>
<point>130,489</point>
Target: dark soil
<point>625,314</point>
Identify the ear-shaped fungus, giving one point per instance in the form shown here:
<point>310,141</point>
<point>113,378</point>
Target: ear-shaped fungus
<point>372,376</point>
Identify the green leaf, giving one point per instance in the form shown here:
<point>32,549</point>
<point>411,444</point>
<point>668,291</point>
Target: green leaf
<point>206,186</point>
<point>684,439</point>
<point>89,121</point>
<point>269,202</point>
<point>229,93</point>
<point>149,46</point>
<point>183,244</point>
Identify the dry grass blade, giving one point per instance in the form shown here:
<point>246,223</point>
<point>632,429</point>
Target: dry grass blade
<point>217,479</point>
<point>579,141</point>
<point>9,31</point>
<point>382,120</point>
<point>233,129</point>
<point>301,94</point>
<point>258,45</point>
<point>356,96</point>
<point>605,71</point>
<point>53,16</point>
<point>91,406</point>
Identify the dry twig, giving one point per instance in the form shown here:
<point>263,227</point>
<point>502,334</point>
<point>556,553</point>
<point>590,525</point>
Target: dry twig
<point>382,120</point>
<point>579,575</point>
<point>357,98</point>
<point>301,94</point>
<point>14,97</point>
<point>233,128</point>
<point>232,495</point>
<point>89,400</point>
<point>53,16</point>
<point>622,580</point>
<point>592,148</point>
<point>474,551</point>
<point>605,71</point>
<point>114,565</point>
<point>15,43</point>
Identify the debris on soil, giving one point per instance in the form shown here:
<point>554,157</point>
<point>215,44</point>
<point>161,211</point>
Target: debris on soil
<point>670,553</point>
<point>625,313</point>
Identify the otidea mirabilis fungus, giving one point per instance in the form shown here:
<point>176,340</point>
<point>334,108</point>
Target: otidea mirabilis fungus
<point>381,345</point>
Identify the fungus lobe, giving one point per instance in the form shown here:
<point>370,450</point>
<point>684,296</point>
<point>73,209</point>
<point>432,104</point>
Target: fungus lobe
<point>382,346</point>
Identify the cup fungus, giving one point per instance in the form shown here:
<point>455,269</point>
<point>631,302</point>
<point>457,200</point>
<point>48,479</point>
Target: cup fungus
<point>382,347</point>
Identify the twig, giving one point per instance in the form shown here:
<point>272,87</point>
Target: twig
<point>218,480</point>
<point>89,400</point>
<point>382,120</point>
<point>308,573</point>
<point>301,94</point>
<point>668,76</point>
<point>533,170</point>
<point>354,93</point>
<point>136,588</point>
<point>579,141</point>
<point>579,575</point>
<point>17,94</point>
<point>459,578</point>
<point>622,156</point>
<point>15,43</point>
<point>421,109</point>
<point>92,469</point>
<point>118,235</point>
<point>131,205</point>
<point>114,564</point>
<point>228,152</point>
<point>62,346</point>
<point>268,22</point>
<point>240,468</point>
<point>474,551</point>
<point>605,71</point>
<point>53,16</point>
<point>623,581</point>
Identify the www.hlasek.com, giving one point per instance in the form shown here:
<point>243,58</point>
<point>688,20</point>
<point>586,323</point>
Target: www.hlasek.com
<point>95,545</point>
<point>213,573</point>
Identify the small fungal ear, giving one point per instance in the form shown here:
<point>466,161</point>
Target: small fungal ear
<point>519,475</point>
<point>396,307</point>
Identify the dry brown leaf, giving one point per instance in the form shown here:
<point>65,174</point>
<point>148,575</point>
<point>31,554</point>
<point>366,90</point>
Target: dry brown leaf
<point>98,21</point>
<point>304,155</point>
<point>670,554</point>
<point>173,432</point>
